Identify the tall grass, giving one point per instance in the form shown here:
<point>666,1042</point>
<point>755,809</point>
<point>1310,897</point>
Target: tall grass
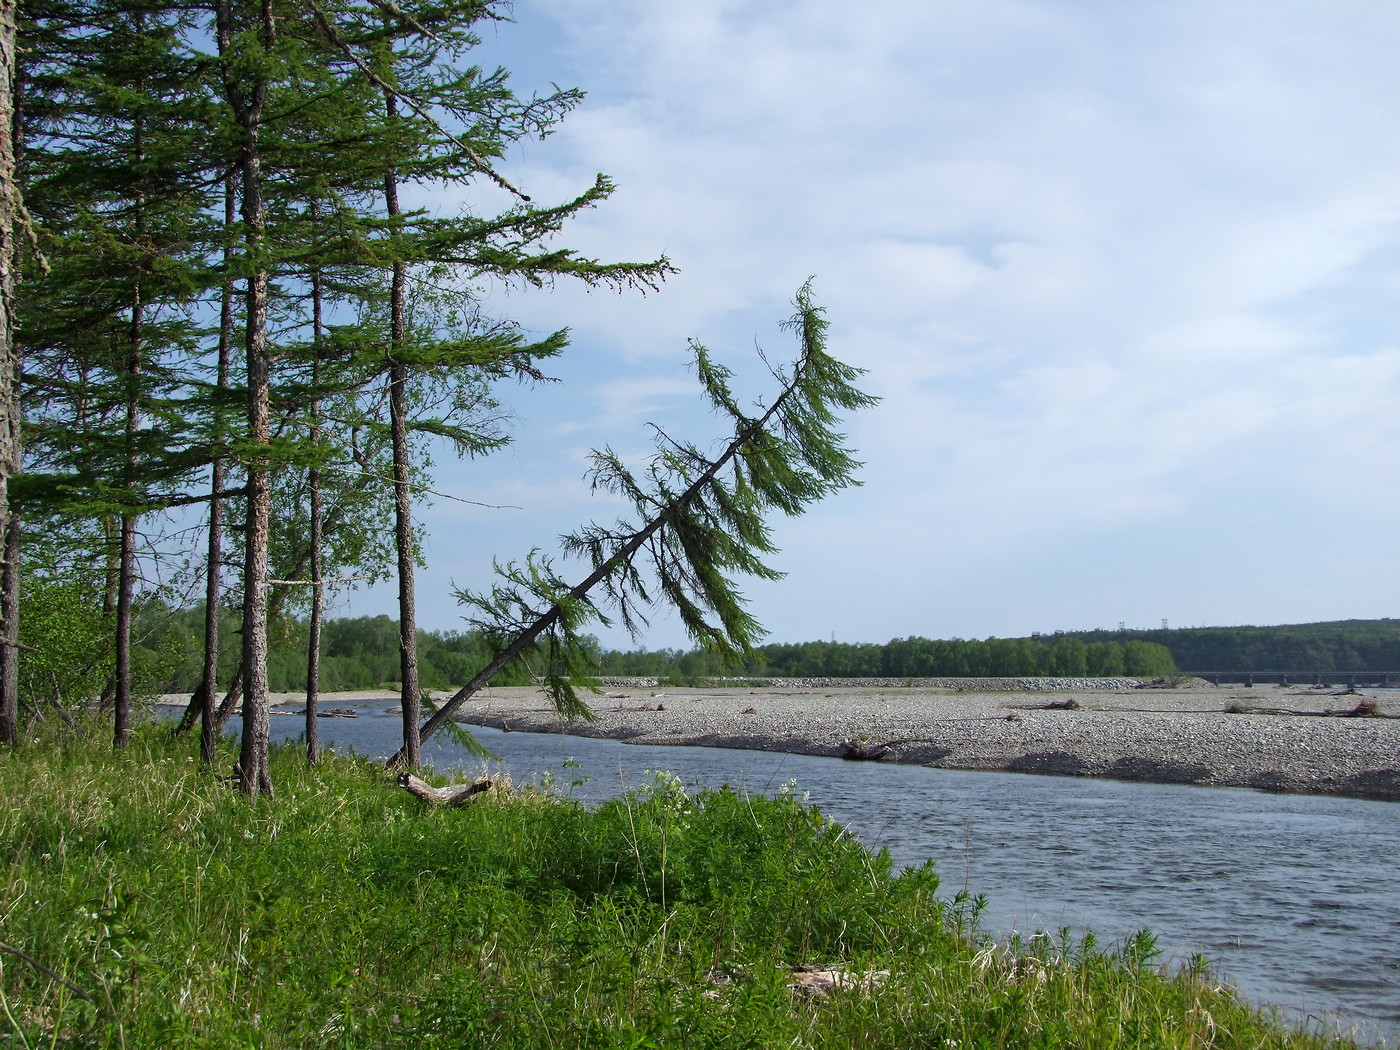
<point>345,913</point>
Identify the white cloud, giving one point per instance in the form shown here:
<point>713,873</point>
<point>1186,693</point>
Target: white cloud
<point>1110,266</point>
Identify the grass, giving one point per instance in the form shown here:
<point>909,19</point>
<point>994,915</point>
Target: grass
<point>345,913</point>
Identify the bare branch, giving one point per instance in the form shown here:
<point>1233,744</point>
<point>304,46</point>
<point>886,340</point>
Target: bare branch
<point>45,970</point>
<point>423,488</point>
<point>334,37</point>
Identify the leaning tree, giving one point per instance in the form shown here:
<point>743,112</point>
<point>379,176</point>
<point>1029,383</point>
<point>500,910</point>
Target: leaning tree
<point>701,520</point>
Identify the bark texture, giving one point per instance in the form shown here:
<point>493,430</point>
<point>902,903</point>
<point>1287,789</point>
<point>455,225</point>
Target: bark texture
<point>247,101</point>
<point>403,494</point>
<point>452,795</point>
<point>9,370</point>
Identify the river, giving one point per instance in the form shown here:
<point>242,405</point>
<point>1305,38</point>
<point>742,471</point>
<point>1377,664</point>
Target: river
<point>1295,899</point>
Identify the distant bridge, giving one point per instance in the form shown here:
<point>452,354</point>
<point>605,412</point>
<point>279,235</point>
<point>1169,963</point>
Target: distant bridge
<point>1374,679</point>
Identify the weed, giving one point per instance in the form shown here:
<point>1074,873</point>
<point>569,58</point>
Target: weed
<point>345,913</point>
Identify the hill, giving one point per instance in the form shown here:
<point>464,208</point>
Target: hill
<point>1336,645</point>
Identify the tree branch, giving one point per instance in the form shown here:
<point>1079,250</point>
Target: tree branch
<point>334,37</point>
<point>45,970</point>
<point>816,380</point>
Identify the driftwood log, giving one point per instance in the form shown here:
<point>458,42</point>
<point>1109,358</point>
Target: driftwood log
<point>452,795</point>
<point>813,982</point>
<point>818,982</point>
<point>860,751</point>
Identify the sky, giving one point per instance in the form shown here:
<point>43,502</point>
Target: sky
<point>1126,278</point>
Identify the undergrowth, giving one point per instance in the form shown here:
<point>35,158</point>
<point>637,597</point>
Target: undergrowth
<point>157,908</point>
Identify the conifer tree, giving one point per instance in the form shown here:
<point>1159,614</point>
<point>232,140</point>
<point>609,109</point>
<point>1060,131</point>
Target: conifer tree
<point>414,61</point>
<point>9,368</point>
<point>701,518</point>
<point>111,129</point>
<point>316,100</point>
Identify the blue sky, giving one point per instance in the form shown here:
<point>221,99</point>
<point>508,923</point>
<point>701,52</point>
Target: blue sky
<point>1126,277</point>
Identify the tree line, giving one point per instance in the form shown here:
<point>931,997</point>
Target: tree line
<point>1338,645</point>
<point>914,657</point>
<point>218,299</point>
<point>359,654</point>
<point>362,653</point>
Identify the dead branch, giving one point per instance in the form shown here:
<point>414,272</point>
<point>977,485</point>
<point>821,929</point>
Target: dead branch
<point>453,795</point>
<point>860,751</point>
<point>57,701</point>
<point>45,970</point>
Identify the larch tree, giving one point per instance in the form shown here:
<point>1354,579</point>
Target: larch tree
<point>112,127</point>
<point>9,365</point>
<point>247,36</point>
<point>446,122</point>
<point>701,519</point>
<point>369,100</point>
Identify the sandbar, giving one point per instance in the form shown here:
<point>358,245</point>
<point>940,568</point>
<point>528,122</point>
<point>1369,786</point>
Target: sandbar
<point>1273,738</point>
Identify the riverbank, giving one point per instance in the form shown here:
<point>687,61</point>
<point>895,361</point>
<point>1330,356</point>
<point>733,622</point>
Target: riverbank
<point>150,905</point>
<point>1273,738</point>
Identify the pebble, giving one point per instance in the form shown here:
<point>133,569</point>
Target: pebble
<point>1120,729</point>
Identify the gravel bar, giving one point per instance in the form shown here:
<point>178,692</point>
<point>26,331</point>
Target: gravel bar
<point>1286,739</point>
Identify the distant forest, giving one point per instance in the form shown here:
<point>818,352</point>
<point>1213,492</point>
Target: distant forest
<point>1337,645</point>
<point>362,653</point>
<point>917,658</point>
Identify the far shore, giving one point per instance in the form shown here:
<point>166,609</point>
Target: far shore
<point>1274,738</point>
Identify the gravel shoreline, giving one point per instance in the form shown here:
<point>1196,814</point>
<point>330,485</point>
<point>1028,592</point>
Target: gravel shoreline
<point>1285,739</point>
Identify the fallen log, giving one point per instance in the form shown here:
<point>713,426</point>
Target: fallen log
<point>859,751</point>
<point>452,795</point>
<point>814,982</point>
<point>817,982</point>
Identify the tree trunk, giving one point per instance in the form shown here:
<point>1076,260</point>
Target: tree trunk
<point>111,591</point>
<point>213,583</point>
<point>213,586</point>
<point>233,699</point>
<point>403,496</point>
<point>254,776</point>
<point>126,558</point>
<point>454,795</point>
<point>121,700</point>
<point>318,587</point>
<point>247,103</point>
<point>318,611</point>
<point>403,529</point>
<point>9,373</point>
<point>9,643</point>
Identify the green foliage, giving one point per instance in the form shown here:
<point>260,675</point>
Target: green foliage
<point>66,639</point>
<point>700,522</point>
<point>912,658</point>
<point>185,164</point>
<point>357,653</point>
<point>362,653</point>
<point>1345,645</point>
<point>348,914</point>
<point>67,635</point>
<point>1341,645</point>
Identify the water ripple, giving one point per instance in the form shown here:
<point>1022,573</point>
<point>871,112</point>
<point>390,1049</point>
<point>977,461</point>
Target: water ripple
<point>1295,899</point>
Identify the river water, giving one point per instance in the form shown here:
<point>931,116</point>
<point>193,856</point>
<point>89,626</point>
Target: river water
<point>1294,899</point>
